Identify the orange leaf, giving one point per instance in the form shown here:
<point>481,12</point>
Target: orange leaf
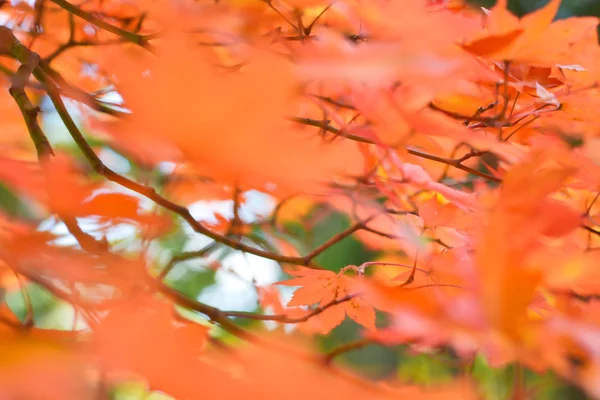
<point>256,147</point>
<point>316,286</point>
<point>493,44</point>
<point>56,371</point>
<point>362,312</point>
<point>143,336</point>
<point>512,40</point>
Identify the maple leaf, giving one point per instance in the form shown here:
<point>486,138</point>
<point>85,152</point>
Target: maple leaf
<point>527,40</point>
<point>324,288</point>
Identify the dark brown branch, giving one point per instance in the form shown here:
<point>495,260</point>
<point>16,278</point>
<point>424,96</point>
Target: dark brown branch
<point>591,230</point>
<point>380,233</point>
<point>236,224</point>
<point>453,162</point>
<point>29,60</point>
<point>334,102</point>
<point>38,16</point>
<point>146,191</point>
<point>336,238</point>
<point>77,94</point>
<point>98,166</point>
<point>183,257</point>
<point>132,37</point>
<point>450,113</point>
<point>581,297</point>
<point>324,125</point>
<point>214,314</point>
<point>87,242</point>
<point>456,163</point>
<point>71,44</point>
<point>10,46</point>
<point>345,348</point>
<point>286,319</point>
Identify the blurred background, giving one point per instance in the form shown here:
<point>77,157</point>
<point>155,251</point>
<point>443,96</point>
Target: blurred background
<point>233,286</point>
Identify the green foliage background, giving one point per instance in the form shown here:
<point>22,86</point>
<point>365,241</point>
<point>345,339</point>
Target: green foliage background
<point>568,8</point>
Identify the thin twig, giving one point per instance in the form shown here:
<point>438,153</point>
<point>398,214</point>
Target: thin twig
<point>183,257</point>
<point>345,348</point>
<point>286,319</point>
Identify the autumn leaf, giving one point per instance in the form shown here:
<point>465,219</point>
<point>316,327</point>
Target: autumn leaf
<point>526,40</point>
<point>247,148</point>
<point>56,368</point>
<point>134,333</point>
<point>324,288</point>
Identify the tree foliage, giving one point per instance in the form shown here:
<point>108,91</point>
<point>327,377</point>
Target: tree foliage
<point>357,199</point>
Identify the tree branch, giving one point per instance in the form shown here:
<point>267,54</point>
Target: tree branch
<point>53,91</point>
<point>286,319</point>
<point>358,344</point>
<point>132,37</point>
<point>453,162</point>
<point>68,45</point>
<point>9,45</point>
<point>213,313</point>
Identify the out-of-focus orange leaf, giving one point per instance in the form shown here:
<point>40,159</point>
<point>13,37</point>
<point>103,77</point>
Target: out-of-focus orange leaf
<point>145,337</point>
<point>194,113</point>
<point>435,213</point>
<point>29,251</point>
<point>513,233</point>
<point>275,375</point>
<point>558,218</point>
<point>57,185</point>
<point>493,43</point>
<point>56,370</point>
<point>117,206</point>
